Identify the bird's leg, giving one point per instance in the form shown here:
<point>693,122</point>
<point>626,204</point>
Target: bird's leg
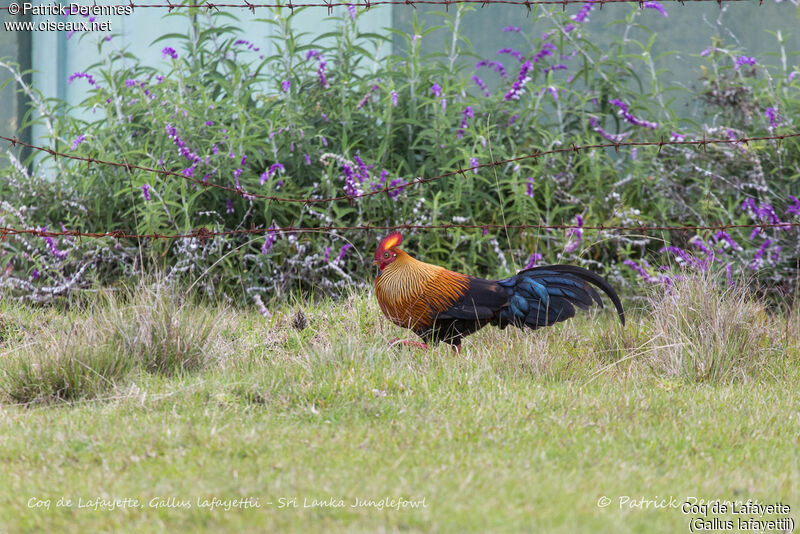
<point>411,342</point>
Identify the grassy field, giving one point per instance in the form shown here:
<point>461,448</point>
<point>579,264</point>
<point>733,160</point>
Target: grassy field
<point>165,405</point>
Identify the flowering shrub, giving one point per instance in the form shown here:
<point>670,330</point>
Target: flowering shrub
<point>325,118</point>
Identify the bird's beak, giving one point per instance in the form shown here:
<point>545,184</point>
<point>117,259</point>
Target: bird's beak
<point>374,262</point>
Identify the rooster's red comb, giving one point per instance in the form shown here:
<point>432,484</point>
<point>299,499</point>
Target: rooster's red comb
<point>390,241</point>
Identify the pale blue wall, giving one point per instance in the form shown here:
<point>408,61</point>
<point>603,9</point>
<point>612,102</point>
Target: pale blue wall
<point>55,57</point>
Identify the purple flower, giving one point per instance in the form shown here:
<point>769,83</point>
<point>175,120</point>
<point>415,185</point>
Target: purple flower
<point>146,191</point>
<point>674,136</point>
<point>708,51</point>
<point>639,269</point>
<point>776,254</point>
<point>514,53</point>
<point>269,240</point>
<point>698,242</point>
<point>169,51</point>
<point>519,84</point>
<point>436,89</point>
<point>512,29</point>
<point>78,140</point>
<point>744,60</point>
<point>794,209</point>
<point>397,182</point>
<point>533,259</point>
<point>772,115</point>
<point>530,186</point>
<point>273,169</point>
<point>86,75</point>
<point>760,253</point>
<point>393,96</point>
<point>583,14</point>
<point>352,9</point>
<point>365,98</point>
<point>495,65</point>
<point>345,248</point>
<point>657,6</point>
<point>35,274</point>
<point>323,80</point>
<point>724,236</point>
<point>285,85</point>
<point>468,113</point>
<point>228,206</point>
<point>51,245</point>
<point>350,187</point>
<point>614,138</point>
<point>547,50</point>
<point>474,163</point>
<point>513,119</point>
<point>307,159</point>
<point>792,76</point>
<point>250,46</point>
<point>558,66</point>
<point>677,251</point>
<point>764,212</point>
<point>480,84</point>
<point>553,91</point>
<point>327,254</point>
<point>629,116</point>
<point>575,232</point>
<point>363,173</point>
<point>130,83</point>
<point>210,123</point>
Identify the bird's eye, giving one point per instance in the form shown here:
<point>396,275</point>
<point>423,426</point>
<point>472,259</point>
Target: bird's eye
<point>385,254</point>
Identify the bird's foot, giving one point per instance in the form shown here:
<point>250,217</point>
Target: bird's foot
<point>397,341</point>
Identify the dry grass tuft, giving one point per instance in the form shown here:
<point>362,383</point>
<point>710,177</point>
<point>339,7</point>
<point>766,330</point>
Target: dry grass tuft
<point>160,329</point>
<point>704,333</point>
<point>152,327</point>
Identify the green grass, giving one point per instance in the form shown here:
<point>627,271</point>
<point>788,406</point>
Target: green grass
<point>523,432</point>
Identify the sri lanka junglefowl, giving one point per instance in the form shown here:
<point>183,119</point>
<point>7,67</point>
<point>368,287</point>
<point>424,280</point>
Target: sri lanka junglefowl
<point>441,305</point>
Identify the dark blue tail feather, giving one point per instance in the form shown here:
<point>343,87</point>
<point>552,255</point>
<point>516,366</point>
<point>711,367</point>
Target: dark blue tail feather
<point>545,295</point>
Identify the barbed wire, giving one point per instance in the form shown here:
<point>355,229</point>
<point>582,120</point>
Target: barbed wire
<point>205,233</point>
<point>388,188</point>
<point>367,4</point>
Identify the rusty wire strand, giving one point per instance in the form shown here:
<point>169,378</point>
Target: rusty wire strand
<point>385,190</point>
<point>205,233</point>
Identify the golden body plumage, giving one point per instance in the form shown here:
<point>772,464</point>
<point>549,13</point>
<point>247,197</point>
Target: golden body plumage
<point>411,292</point>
